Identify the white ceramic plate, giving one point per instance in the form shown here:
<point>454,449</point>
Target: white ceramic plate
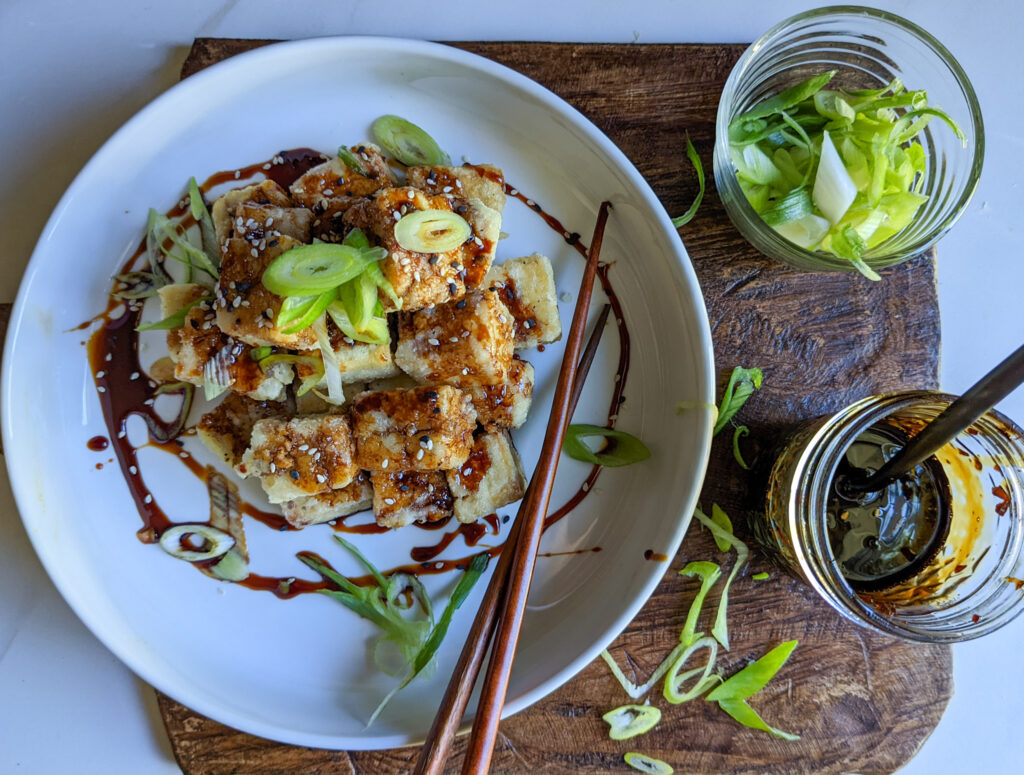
<point>299,671</point>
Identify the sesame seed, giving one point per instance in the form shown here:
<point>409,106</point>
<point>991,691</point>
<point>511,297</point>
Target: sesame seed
<point>109,358</point>
<point>419,455</point>
<point>101,389</point>
<point>133,470</point>
<point>238,174</point>
<point>465,371</point>
<point>416,276</point>
<point>453,288</point>
<point>514,191</point>
<point>303,447</point>
<point>385,463</point>
<point>273,468</point>
<point>321,478</point>
<point>453,339</point>
<point>430,488</point>
<point>184,455</point>
<point>313,450</point>
<point>294,474</point>
<point>328,192</point>
<point>586,487</point>
<point>461,304</point>
<point>433,342</point>
<point>100,374</point>
<point>446,189</point>
<point>148,498</point>
<point>254,253</point>
<point>121,434</point>
<point>390,501</point>
<point>530,203</point>
<point>148,402</point>
<point>266,166</point>
<point>270,221</point>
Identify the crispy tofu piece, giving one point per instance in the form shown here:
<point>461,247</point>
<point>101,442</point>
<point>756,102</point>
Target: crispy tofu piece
<point>302,456</point>
<point>359,361</point>
<point>227,429</point>
<point>506,404</point>
<point>492,477</point>
<point>421,429</point>
<point>245,309</point>
<point>403,497</point>
<point>527,287</point>
<point>199,345</point>
<point>258,224</point>
<point>223,211</point>
<point>329,189</point>
<point>462,343</point>
<point>472,181</point>
<point>356,496</point>
<point>425,279</point>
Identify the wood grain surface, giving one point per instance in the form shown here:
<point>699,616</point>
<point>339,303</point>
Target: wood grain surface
<point>862,703</point>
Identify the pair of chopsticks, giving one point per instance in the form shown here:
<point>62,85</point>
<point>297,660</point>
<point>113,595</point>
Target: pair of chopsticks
<point>504,604</point>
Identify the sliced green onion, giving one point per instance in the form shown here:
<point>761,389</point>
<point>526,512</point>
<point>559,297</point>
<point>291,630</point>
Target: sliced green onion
<point>622,449</point>
<point>351,160</point>
<point>215,542</point>
<point>720,629</point>
<point>708,573</point>
<point>181,249</point>
<point>138,285</point>
<point>741,711</point>
<point>356,238</point>
<point>793,206</point>
<point>259,353</point>
<point>231,567</point>
<point>217,376</point>
<point>309,270</point>
<point>202,215</point>
<point>162,434</point>
<point>432,231</point>
<point>787,99</point>
<point>314,311</point>
<point>358,296</point>
<point>647,764</point>
<point>739,433</point>
<point>175,320</point>
<point>762,576</point>
<point>376,331</point>
<point>674,680</point>
<point>407,142</point>
<point>742,383</point>
<point>332,364</point>
<point>639,692</point>
<point>293,308</point>
<point>734,691</point>
<point>428,650</point>
<point>628,721</point>
<point>691,154</point>
<point>834,189</point>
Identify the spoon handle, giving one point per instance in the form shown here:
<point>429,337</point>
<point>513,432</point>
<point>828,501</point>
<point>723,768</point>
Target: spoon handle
<point>986,393</point>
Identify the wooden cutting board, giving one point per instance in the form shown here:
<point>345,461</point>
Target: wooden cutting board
<point>861,702</point>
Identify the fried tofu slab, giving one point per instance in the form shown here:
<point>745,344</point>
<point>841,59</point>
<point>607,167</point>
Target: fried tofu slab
<point>505,404</point>
<point>403,497</point>
<point>462,343</point>
<point>421,429</point>
<point>527,287</point>
<point>302,456</point>
<point>354,497</point>
<point>482,181</point>
<point>490,478</point>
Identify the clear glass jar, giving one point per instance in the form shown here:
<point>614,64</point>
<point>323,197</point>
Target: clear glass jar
<point>971,586</point>
<point>869,48</point>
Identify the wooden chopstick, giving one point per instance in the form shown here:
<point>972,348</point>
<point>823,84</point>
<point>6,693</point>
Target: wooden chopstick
<point>435,750</point>
<point>531,513</point>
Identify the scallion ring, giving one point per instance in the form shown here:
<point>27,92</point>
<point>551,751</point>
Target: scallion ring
<point>407,142</point>
<point>432,231</point>
<point>309,270</point>
<point>215,542</point>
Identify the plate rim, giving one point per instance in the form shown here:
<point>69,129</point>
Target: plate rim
<point>480,65</point>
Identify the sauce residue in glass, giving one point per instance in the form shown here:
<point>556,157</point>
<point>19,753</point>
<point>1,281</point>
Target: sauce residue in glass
<point>883,538</point>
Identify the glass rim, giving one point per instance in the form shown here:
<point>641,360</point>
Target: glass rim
<point>773,244</point>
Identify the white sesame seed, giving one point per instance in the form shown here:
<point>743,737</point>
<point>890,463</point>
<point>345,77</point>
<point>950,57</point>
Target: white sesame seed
<point>100,374</point>
<point>530,202</point>
<point>513,191</point>
<point>266,166</point>
<point>254,253</point>
<point>148,499</point>
<point>398,215</point>
<point>101,389</point>
<point>453,339</point>
<point>446,189</point>
<point>586,487</point>
<point>321,478</point>
<point>121,434</point>
<point>328,192</point>
<point>430,488</point>
<point>385,463</point>
<point>273,468</point>
<point>416,276</point>
<point>465,334</point>
<point>183,455</point>
<point>148,402</point>
<point>133,470</point>
<point>303,447</point>
<point>109,358</point>
<point>465,371</point>
<point>390,501</point>
<point>433,342</point>
<point>270,221</point>
<point>419,455</point>
<point>238,174</point>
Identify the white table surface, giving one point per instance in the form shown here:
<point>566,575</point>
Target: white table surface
<point>72,72</point>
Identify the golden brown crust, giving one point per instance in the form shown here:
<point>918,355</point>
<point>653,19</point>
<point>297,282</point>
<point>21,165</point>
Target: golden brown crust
<point>403,497</point>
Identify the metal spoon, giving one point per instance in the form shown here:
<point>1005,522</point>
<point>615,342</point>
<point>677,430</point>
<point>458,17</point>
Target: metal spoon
<point>986,393</point>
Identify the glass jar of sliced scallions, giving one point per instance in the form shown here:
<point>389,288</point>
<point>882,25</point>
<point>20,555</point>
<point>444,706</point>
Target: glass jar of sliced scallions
<point>847,139</point>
